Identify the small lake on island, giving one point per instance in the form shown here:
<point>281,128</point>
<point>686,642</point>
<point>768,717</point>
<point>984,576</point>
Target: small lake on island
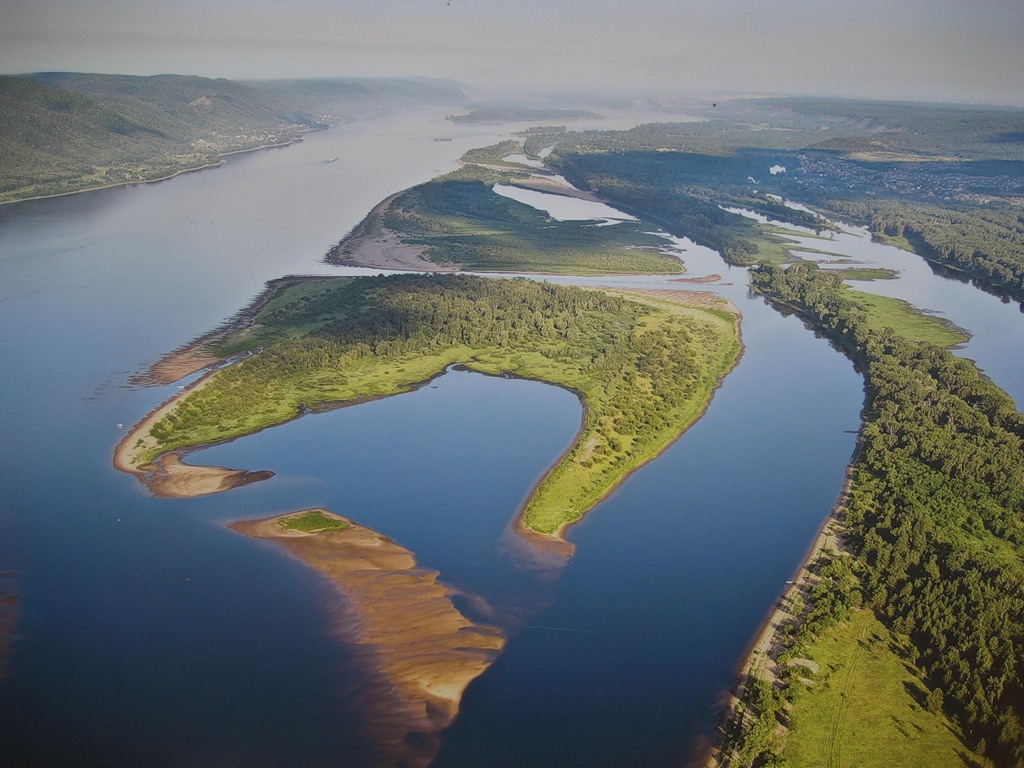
<point>150,634</point>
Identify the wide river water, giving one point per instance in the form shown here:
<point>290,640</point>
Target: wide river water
<point>150,634</point>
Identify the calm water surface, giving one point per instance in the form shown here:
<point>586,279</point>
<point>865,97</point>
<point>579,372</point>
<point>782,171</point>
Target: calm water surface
<point>151,635</point>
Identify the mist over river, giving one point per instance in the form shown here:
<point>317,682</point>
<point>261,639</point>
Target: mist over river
<point>150,634</point>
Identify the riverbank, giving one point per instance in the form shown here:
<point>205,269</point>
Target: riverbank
<point>759,661</point>
<point>168,476</point>
<point>194,169</point>
<point>423,652</point>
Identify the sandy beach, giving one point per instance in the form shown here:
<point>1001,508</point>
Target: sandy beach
<point>169,477</point>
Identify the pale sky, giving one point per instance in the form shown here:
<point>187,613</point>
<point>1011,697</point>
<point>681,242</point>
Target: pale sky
<point>920,50</point>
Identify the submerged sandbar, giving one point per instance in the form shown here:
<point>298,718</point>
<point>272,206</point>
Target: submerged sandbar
<point>425,648</point>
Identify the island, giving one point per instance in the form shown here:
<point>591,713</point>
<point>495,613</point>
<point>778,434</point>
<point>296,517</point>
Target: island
<point>460,222</point>
<point>644,365</point>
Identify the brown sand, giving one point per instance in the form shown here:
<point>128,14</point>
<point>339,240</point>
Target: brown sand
<point>387,251</point>
<point>682,296</point>
<point>168,476</point>
<point>425,649</point>
<point>554,187</point>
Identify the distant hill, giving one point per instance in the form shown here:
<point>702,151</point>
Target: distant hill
<point>64,132</point>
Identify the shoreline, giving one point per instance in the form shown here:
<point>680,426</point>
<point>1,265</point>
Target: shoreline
<point>189,358</point>
<point>168,177</point>
<point>167,476</point>
<point>555,542</point>
<point>756,656</point>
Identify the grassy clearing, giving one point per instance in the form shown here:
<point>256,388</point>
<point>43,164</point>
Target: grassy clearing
<point>314,521</point>
<point>866,707</point>
<point>467,224</point>
<point>607,450</point>
<point>907,321</point>
<point>869,273</point>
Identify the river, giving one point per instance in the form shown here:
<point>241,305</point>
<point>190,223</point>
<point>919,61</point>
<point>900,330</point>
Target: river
<point>150,634</point>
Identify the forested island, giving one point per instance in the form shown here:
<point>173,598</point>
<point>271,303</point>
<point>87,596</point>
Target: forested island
<point>643,365</point>
<point>931,540</point>
<point>458,222</point>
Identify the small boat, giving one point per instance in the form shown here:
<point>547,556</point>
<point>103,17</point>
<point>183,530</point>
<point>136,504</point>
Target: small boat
<point>332,159</point>
<point>443,138</point>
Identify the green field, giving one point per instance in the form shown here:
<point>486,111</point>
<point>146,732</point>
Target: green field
<point>644,368</point>
<point>866,706</point>
<point>907,321</point>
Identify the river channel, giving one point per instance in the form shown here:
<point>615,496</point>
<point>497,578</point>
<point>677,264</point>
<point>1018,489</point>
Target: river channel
<point>150,634</point>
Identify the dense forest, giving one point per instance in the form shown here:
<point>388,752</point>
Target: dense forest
<point>687,194</point>
<point>935,517</point>
<point>984,243</point>
<point>643,370</point>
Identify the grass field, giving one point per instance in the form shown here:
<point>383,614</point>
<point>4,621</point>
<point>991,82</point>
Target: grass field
<point>906,320</point>
<point>866,707</point>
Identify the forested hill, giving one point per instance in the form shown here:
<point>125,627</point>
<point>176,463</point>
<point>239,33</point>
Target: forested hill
<point>64,132</point>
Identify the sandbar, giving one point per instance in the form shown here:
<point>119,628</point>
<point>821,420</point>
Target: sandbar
<point>427,651</point>
<point>168,476</point>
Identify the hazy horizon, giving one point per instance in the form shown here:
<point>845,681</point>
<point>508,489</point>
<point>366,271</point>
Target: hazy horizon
<point>919,50</point>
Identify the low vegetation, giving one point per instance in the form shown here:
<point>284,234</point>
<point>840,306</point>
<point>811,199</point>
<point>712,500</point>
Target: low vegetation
<point>907,321</point>
<point>313,521</point>
<point>860,683</point>
<point>459,221</point>
<point>643,367</point>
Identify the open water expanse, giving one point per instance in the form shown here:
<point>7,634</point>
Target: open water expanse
<point>150,634</point>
